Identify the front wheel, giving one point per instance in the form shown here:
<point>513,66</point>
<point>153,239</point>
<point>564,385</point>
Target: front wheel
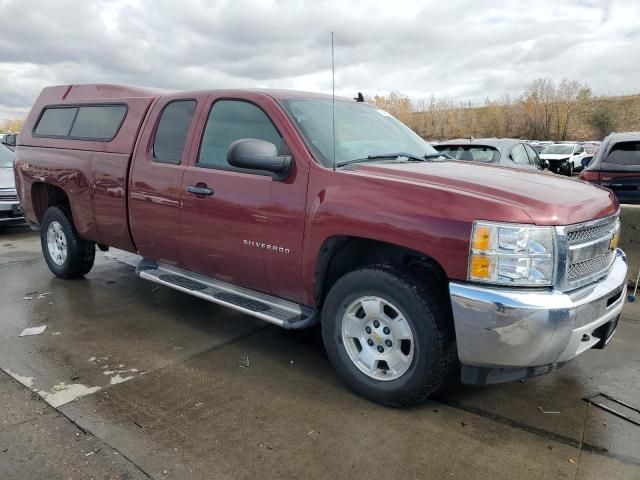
<point>67,254</point>
<point>387,336</point>
<point>570,169</point>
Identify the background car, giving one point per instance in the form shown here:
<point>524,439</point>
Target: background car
<point>506,152</point>
<point>617,166</point>
<point>564,157</point>
<point>10,211</point>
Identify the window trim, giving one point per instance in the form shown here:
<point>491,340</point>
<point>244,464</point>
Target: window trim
<point>77,106</point>
<point>152,156</point>
<point>231,168</point>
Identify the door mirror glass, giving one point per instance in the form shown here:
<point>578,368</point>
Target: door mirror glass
<point>256,154</point>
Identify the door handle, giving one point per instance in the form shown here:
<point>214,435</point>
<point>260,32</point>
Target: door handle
<point>200,190</point>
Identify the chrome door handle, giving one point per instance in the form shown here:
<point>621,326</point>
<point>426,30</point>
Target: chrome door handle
<point>199,190</point>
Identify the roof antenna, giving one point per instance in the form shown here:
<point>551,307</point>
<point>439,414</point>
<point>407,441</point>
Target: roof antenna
<point>333,101</point>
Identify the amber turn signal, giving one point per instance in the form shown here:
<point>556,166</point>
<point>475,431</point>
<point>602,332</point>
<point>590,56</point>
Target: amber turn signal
<point>481,237</point>
<point>480,267</point>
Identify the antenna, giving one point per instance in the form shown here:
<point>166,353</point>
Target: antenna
<point>333,101</point>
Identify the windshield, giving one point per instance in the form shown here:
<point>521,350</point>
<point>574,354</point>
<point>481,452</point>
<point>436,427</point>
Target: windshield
<point>559,149</point>
<point>362,131</point>
<point>474,153</point>
<point>6,157</point>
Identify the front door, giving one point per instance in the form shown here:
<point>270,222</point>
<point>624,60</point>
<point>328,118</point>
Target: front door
<point>225,209</point>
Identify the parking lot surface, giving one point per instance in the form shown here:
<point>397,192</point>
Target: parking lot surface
<point>133,380</point>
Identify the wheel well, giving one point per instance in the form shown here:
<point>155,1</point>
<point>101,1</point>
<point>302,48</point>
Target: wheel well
<point>343,254</point>
<point>45,195</point>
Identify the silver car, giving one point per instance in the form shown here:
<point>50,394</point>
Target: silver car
<point>10,211</point>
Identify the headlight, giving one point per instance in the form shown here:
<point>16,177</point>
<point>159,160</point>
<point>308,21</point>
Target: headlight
<point>508,254</point>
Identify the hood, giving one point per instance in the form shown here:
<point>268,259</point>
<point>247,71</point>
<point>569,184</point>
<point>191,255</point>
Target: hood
<point>546,198</point>
<point>554,156</point>
<point>7,178</point>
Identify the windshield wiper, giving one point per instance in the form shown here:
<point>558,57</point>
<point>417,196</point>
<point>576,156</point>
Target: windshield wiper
<point>437,155</point>
<point>408,156</point>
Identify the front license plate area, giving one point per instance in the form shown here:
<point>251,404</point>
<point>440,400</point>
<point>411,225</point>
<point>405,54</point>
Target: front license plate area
<point>606,333</point>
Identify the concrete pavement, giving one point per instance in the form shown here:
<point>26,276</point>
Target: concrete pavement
<point>180,388</point>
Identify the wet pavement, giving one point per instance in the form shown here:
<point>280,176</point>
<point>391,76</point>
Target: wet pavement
<point>174,387</point>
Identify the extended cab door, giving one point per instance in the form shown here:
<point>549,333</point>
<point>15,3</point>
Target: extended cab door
<point>238,225</point>
<point>155,185</point>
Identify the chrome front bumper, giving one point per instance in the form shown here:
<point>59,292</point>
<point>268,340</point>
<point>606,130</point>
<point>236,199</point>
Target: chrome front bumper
<point>10,211</point>
<point>533,330</point>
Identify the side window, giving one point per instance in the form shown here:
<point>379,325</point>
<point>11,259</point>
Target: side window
<point>81,122</point>
<point>533,156</point>
<point>56,122</point>
<point>98,122</point>
<point>231,120</point>
<point>579,150</point>
<point>519,155</point>
<point>173,127</point>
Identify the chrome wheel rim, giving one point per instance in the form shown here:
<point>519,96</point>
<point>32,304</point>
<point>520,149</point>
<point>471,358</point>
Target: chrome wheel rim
<point>56,243</point>
<point>378,338</point>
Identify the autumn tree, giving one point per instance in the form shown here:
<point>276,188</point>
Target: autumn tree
<point>396,103</point>
<point>11,125</point>
<point>603,118</point>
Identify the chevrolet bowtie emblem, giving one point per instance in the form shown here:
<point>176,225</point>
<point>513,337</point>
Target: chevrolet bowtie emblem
<point>613,244</point>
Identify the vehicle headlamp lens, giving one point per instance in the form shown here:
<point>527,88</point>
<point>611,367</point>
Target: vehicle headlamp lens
<point>511,254</point>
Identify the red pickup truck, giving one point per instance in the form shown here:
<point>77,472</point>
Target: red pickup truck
<point>297,208</point>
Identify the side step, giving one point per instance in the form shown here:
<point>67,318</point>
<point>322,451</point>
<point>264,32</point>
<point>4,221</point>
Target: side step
<point>275,310</point>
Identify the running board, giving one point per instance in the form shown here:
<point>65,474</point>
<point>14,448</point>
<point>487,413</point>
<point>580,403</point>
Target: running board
<point>275,310</point>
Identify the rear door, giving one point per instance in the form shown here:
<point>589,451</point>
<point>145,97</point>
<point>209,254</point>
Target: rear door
<point>156,178</point>
<point>620,171</point>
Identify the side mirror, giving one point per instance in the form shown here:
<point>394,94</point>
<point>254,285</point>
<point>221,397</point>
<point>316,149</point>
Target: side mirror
<point>255,154</point>
<point>586,161</point>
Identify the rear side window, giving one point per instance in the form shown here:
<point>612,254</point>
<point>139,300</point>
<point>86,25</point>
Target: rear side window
<point>100,122</point>
<point>56,122</point>
<point>232,120</point>
<point>83,122</point>
<point>624,153</point>
<point>173,127</point>
<point>519,155</point>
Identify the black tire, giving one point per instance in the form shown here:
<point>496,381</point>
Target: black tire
<point>80,252</point>
<point>570,170</point>
<point>426,312</point>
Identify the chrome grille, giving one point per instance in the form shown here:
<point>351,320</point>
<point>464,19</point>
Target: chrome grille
<point>590,267</point>
<point>586,251</point>
<point>8,198</point>
<point>591,233</point>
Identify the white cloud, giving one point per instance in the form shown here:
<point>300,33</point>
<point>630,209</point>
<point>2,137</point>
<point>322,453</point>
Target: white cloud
<point>463,49</point>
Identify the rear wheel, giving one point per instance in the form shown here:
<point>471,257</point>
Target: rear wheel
<point>387,336</point>
<point>67,254</point>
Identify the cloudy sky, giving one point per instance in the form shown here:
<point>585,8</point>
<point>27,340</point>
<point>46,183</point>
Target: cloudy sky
<point>460,49</point>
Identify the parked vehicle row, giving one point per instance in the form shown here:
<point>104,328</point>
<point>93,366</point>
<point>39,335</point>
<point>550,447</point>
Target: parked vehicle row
<point>298,208</point>
<point>564,158</point>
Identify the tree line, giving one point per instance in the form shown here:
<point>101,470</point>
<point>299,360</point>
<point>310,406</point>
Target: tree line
<point>546,110</point>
